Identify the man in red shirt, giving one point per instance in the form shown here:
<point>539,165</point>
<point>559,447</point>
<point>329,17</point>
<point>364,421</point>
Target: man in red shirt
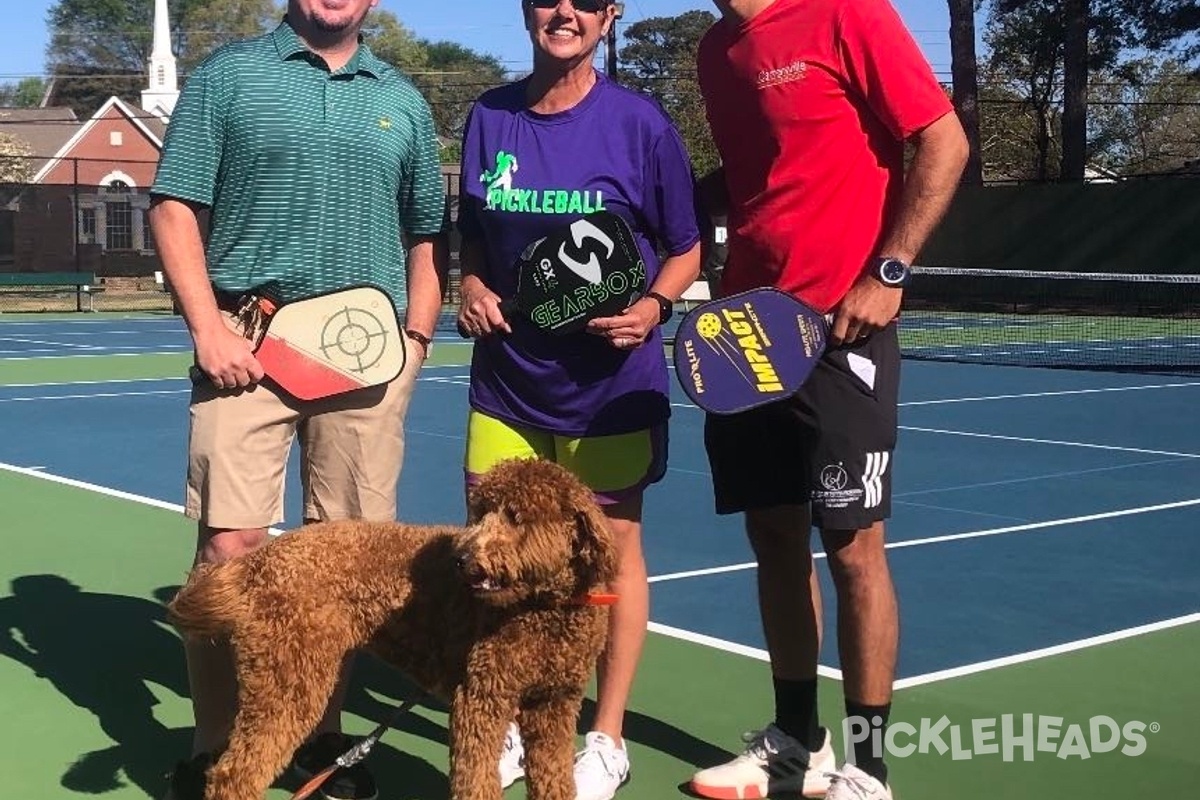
<point>811,103</point>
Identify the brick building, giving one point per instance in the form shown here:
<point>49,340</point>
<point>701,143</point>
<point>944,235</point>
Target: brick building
<point>84,196</point>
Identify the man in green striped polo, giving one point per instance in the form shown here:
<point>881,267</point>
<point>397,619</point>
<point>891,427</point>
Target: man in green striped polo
<point>318,166</point>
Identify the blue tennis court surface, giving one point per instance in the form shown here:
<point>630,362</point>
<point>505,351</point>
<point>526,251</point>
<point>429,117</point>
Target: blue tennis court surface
<point>105,336</point>
<point>1032,508</point>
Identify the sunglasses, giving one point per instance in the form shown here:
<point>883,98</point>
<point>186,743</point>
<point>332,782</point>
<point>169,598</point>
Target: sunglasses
<point>586,6</point>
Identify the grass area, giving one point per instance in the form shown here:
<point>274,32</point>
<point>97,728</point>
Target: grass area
<point>953,330</point>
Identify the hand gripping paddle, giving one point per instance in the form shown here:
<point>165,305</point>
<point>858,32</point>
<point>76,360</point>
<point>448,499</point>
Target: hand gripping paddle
<point>328,344</point>
<point>746,350</point>
<point>589,268</point>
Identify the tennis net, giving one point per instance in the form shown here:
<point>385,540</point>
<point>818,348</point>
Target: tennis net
<point>1053,319</point>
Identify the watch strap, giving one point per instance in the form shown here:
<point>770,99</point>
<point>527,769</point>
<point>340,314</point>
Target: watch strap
<point>665,307</point>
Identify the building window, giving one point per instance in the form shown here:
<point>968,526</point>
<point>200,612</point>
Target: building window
<point>118,223</point>
<point>115,138</point>
<point>87,226</point>
<point>162,75</point>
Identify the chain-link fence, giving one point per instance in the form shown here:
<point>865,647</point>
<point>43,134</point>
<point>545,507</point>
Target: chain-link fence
<point>75,236</point>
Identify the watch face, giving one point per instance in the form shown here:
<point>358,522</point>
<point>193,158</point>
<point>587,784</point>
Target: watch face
<point>893,271</point>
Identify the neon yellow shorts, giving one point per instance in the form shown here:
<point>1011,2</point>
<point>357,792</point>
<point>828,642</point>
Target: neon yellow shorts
<point>615,467</point>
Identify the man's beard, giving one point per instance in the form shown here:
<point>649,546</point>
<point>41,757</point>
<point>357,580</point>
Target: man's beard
<point>332,27</point>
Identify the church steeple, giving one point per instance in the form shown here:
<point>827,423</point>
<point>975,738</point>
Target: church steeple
<point>162,88</point>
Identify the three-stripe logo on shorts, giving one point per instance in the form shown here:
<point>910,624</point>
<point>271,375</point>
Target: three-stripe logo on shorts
<point>873,479</point>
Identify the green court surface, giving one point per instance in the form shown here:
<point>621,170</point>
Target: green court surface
<point>94,697</point>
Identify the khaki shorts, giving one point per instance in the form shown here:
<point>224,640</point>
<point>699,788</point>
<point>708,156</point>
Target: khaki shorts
<point>351,451</point>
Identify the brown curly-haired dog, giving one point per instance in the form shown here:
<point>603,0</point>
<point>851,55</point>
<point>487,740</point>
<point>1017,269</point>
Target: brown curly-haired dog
<point>492,617</point>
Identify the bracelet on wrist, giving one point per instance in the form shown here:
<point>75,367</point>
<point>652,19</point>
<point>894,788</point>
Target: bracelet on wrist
<point>420,338</point>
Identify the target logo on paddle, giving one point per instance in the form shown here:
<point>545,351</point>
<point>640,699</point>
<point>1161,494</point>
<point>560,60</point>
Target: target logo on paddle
<point>333,343</point>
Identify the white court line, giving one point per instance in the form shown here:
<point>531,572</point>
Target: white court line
<point>729,647</point>
<point>1062,393</point>
<point>955,537</point>
<point>167,378</point>
<point>146,393</point>
<point>49,384</point>
<point>91,487</point>
<point>179,332</point>
<point>95,355</point>
<point>753,652</point>
<point>1045,652</point>
<point>130,350</point>
<point>92,396</point>
<point>5,323</point>
<point>983,398</point>
<point>22,340</point>
<point>1029,440</point>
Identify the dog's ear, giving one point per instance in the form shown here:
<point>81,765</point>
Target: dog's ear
<point>595,549</point>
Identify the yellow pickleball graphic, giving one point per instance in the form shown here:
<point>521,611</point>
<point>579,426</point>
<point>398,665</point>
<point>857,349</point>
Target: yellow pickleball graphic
<point>708,325</point>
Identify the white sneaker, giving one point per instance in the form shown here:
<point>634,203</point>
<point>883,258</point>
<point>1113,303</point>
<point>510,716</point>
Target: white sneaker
<point>772,762</point>
<point>512,757</point>
<point>600,768</point>
<point>851,783</point>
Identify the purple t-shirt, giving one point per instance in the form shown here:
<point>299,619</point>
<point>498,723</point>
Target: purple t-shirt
<point>525,174</point>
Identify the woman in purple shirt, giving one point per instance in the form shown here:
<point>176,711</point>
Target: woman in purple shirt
<point>538,154</point>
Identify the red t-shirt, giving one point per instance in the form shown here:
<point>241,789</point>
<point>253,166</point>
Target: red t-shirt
<point>809,103</point>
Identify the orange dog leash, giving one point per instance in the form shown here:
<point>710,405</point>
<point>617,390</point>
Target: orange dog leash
<point>596,599</point>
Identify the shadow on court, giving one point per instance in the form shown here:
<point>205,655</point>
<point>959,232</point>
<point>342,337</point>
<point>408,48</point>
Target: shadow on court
<point>380,679</point>
<point>99,651</point>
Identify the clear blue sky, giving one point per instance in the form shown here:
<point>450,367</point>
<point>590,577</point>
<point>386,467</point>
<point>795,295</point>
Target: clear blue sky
<point>488,26</point>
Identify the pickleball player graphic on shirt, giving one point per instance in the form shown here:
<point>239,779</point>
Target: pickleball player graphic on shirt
<point>499,180</point>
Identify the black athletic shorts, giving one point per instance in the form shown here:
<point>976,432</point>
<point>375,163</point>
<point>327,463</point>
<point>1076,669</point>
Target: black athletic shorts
<point>830,445</point>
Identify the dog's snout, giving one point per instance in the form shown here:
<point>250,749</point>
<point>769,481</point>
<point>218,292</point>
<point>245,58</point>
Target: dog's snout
<point>462,561</point>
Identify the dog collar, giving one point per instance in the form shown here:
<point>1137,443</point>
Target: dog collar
<point>596,599</point>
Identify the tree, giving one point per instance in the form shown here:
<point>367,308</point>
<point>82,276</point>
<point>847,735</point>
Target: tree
<point>1146,116</point>
<point>1095,35</point>
<point>449,75</point>
<point>660,60</point>
<point>16,166</point>
<point>964,73</point>
<point>27,93</point>
<point>965,76</point>
<point>100,48</point>
<point>1077,17</point>
<point>1020,100</point>
<point>391,41</point>
<point>208,24</point>
<point>453,76</point>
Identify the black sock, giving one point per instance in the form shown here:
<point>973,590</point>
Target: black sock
<point>868,754</point>
<point>796,711</point>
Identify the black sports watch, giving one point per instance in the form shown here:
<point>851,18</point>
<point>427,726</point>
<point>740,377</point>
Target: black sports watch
<point>665,307</point>
<point>891,272</point>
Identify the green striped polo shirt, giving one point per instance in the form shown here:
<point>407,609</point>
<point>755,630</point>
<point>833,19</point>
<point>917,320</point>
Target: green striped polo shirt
<point>311,176</point>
